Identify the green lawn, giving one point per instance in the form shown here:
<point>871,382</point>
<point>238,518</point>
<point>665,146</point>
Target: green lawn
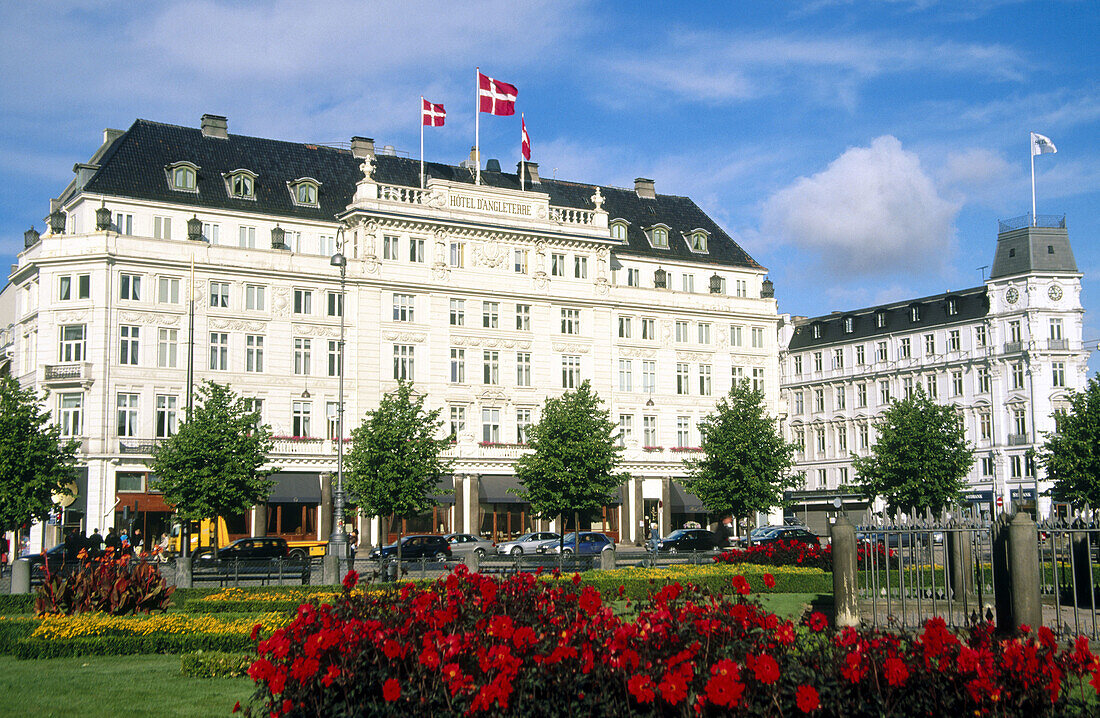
<point>793,605</point>
<point>113,685</point>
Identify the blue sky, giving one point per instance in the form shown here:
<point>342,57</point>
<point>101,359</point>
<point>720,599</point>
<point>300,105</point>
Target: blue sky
<point>862,150</point>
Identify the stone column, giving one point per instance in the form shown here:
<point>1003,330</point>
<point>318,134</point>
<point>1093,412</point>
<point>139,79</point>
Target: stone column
<point>21,576</point>
<point>638,525</point>
<point>664,521</point>
<point>845,585</point>
<point>960,557</point>
<point>324,525</point>
<point>259,520</point>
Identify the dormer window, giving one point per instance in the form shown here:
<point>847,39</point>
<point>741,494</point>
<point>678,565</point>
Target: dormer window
<point>880,320</point>
<point>849,325</point>
<point>697,240</point>
<point>914,313</point>
<point>618,230</point>
<point>815,331</point>
<point>183,176</point>
<point>241,184</point>
<point>658,236</point>
<point>304,191</point>
<point>952,306</point>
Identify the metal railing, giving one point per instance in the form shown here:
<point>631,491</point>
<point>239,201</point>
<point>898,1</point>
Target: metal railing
<point>1049,221</point>
<point>1068,573</point>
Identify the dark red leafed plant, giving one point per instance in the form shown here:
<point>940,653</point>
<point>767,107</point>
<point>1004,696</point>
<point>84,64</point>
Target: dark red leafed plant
<point>118,586</point>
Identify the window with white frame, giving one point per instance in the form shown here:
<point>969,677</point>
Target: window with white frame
<point>987,466</point>
<point>457,254</point>
<point>983,380</point>
<point>334,303</point>
<point>799,402</point>
<point>557,264</point>
<point>735,335</point>
<point>1016,466</point>
<point>65,287</point>
<point>302,351</point>
<point>954,341</point>
<point>841,440</point>
<point>864,437</point>
<point>219,295</point>
<point>523,421</point>
<point>880,320</point>
<point>404,307</point>
<point>649,430</point>
<point>838,358</point>
<point>523,368</point>
<point>930,344</point>
<point>490,315</point>
<point>335,360</point>
<point>127,412</point>
<point>1058,373</point>
<point>796,365</point>
<point>861,395</point>
<point>458,365</point>
<point>458,421</point>
<point>246,237</point>
<point>681,331</point>
<point>626,375</point>
<point>1014,334</point>
<point>649,376</point>
<point>758,337</point>
<point>168,290</point>
<point>128,344</point>
<point>490,367</point>
<point>253,353</point>
<point>167,407</point>
<point>390,246</point>
<point>820,436</point>
<point>819,400</point>
<point>490,425</point>
<point>167,347</point>
<point>255,297</point>
<point>129,287</point>
<point>703,332</point>
<point>818,364</point>
<point>626,429</point>
<point>981,338</point>
<point>705,386</point>
<point>861,355</point>
<point>580,267</point>
<point>403,362</point>
<point>683,431</point>
<point>1019,421</point>
<point>633,277</point>
<point>211,232</point>
<point>327,244</point>
<point>303,301</point>
<point>985,424</point>
<point>71,413</point>
<point>624,327</point>
<point>1018,375</point>
<point>332,419</point>
<point>458,313</point>
<point>742,288</point>
<point>416,250</point>
<point>688,282</point>
<point>799,441</point>
<point>683,379</point>
<point>219,351</point>
<point>907,387</point>
<point>570,321</point>
<point>570,372</point>
<point>523,317</point>
<point>932,386</point>
<point>162,227</point>
<point>882,351</point>
<point>1056,330</point>
<point>300,418</point>
<point>737,373</point>
<point>956,383</point>
<point>884,392</point>
<point>840,398</point>
<point>519,261</point>
<point>905,348</point>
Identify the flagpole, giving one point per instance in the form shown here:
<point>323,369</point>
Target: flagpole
<point>477,122</point>
<point>1031,151</point>
<point>191,342</point>
<point>421,142</point>
<point>522,160</point>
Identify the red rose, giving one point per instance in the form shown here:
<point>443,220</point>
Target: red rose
<point>769,580</point>
<point>896,672</point>
<point>765,667</point>
<point>807,699</point>
<point>350,579</point>
<point>818,622</point>
<point>741,585</point>
<point>391,690</point>
<point>590,600</point>
<point>642,688</point>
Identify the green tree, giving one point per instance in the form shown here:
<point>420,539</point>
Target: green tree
<point>395,460</point>
<point>1071,454</point>
<point>576,453</point>
<point>211,467</point>
<point>921,457</point>
<point>35,463</point>
<point>746,464</point>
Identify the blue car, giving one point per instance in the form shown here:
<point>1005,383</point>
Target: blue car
<point>591,544</point>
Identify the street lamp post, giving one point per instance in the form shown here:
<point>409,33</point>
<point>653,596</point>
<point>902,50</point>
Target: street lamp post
<point>338,540</point>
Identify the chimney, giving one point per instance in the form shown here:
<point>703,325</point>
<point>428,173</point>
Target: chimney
<point>644,188</point>
<point>362,147</point>
<point>215,126</point>
<point>492,165</point>
<point>532,170</point>
<point>110,135</point>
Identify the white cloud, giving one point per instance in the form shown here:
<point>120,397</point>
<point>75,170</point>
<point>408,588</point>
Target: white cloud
<point>872,211</point>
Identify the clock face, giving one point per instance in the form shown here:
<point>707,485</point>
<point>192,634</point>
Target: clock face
<point>1012,295</point>
<point>1055,292</point>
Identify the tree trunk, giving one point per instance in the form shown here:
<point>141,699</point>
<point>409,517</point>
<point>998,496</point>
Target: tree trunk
<point>561,533</point>
<point>399,522</point>
<point>576,535</point>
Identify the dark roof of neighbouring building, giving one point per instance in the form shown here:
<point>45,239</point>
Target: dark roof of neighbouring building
<point>134,164</point>
<point>970,304</point>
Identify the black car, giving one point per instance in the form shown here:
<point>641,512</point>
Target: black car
<point>687,540</point>
<point>54,559</point>
<point>788,534</point>
<point>248,549</point>
<point>416,547</point>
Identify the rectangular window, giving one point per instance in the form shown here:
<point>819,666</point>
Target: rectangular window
<point>757,338</point>
<point>458,365</point>
<point>254,299</point>
<point>649,431</point>
<point>758,379</point>
<point>956,383</point>
<point>580,267</point>
<point>458,312</point>
<point>987,466</point>
<point>799,403</point>
<point>820,442</point>
<point>907,387</point>
<point>1058,373</point>
<point>799,441</point>
<point>983,380</point>
<point>167,348</point>
<point>1019,420</point>
<point>841,440</point>
<point>1018,375</point>
<point>490,315</point>
<point>840,398</point>
<point>403,367</point>
<point>882,351</point>
<point>219,295</point>
<point>458,421</point>
<point>70,412</point>
<point>980,336</point>
<point>817,361</point>
<point>490,426</point>
<point>124,223</point>
<point>705,388</point>
<point>1056,330</point>
<point>219,351</point>
<point>681,331</point>
<point>129,287</point>
<point>683,383</point>
<point>253,353</point>
<point>332,419</point>
<point>168,290</point>
<point>1014,331</point>
<point>1016,466</point>
<point>570,372</point>
<point>302,352</point>
<point>128,344</point>
<point>954,341</point>
<point>570,321</point>
<point>246,237</point>
<point>624,327</point>
<point>334,304</point>
<point>327,244</point>
<point>303,301</point>
<point>689,282</point>
<point>127,414</point>
<point>71,347</point>
<point>162,227</point>
<point>404,306</point>
<point>300,417</point>
<point>523,420</point>
<point>884,392</point>
<point>490,367</point>
<point>166,415</point>
<point>255,406</point>
<point>904,349</point>
<point>797,362</point>
<point>416,250</point>
<point>649,328</point>
<point>985,424</point>
<point>633,277</point>
<point>864,437</point>
<point>861,396</point>
<point>703,332</point>
<point>683,431</point>
<point>519,261</point>
<point>211,232</point>
<point>649,376</point>
<point>457,255</point>
<point>626,375</point>
<point>861,357</point>
<point>335,361</point>
<point>738,374</point>
<point>557,265</point>
<point>819,400</point>
<point>930,344</point>
<point>932,385</point>
<point>838,359</point>
<point>523,368</point>
<point>742,288</point>
<point>390,246</point>
<point>626,429</point>
<point>523,317</point>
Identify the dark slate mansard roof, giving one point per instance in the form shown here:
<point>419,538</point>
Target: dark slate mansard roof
<point>134,166</point>
<point>970,304</point>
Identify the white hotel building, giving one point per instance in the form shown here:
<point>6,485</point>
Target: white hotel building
<point>490,298</point>
<point>1004,353</point>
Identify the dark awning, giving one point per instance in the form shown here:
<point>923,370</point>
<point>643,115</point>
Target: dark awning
<point>493,489</point>
<point>446,484</point>
<point>296,487</point>
<point>685,502</point>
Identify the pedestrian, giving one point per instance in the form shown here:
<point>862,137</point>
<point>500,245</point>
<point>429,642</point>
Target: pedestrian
<point>654,536</point>
<point>136,540</point>
<point>95,542</point>
<point>73,544</point>
<point>725,531</point>
<point>112,542</point>
<point>354,542</point>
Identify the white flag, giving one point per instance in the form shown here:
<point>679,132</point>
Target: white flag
<point>1041,144</point>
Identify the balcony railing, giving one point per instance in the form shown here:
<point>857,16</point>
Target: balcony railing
<point>1049,221</point>
<point>69,373</point>
<point>1058,344</point>
<point>568,215</point>
<point>1013,347</point>
<point>405,195</point>
<point>1017,439</point>
<point>138,446</point>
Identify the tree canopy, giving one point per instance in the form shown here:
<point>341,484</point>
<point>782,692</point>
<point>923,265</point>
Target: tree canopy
<point>746,464</point>
<point>1071,454</point>
<point>921,457</point>
<point>35,462</point>
<point>576,454</point>
<point>211,466</point>
<point>395,460</point>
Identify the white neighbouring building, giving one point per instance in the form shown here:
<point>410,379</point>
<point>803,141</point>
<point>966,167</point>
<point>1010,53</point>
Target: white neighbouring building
<point>1005,353</point>
<point>490,298</point>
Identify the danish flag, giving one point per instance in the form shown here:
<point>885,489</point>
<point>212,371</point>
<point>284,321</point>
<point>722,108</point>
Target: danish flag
<point>525,139</point>
<point>495,97</point>
<point>432,115</point>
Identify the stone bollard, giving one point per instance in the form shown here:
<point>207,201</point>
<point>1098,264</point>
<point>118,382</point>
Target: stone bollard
<point>845,567</point>
<point>472,561</point>
<point>21,576</point>
<point>607,560</point>
<point>183,572</point>
<point>1023,574</point>
<point>960,557</point>
<point>330,569</point>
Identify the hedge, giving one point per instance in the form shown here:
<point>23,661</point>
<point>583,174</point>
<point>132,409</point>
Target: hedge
<point>216,664</point>
<point>127,645</point>
<point>639,583</point>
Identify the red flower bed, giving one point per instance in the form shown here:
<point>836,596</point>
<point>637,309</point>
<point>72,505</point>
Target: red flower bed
<point>793,553</point>
<point>475,645</point>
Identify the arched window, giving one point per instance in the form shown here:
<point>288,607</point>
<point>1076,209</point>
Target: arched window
<point>182,176</point>
<point>618,231</point>
<point>241,184</point>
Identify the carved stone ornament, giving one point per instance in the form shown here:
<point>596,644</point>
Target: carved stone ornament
<point>540,281</point>
<point>367,165</point>
<point>490,254</point>
<point>437,199</point>
<point>441,273</point>
<point>149,318</point>
<point>371,265</point>
<point>694,356</point>
<point>494,395</point>
<point>280,301</point>
<point>413,337</point>
<point>237,325</point>
<point>315,330</point>
<point>70,317</point>
<point>638,353</point>
<point>566,348</point>
<point>489,342</point>
<point>602,286</point>
<point>598,200</point>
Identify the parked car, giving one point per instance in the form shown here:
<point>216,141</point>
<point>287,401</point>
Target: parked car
<point>248,549</point>
<point>591,544</point>
<point>789,534</point>
<point>682,540</point>
<point>54,558</point>
<point>757,534</point>
<point>416,547</point>
<point>896,539</point>
<point>527,543</point>
<point>468,543</point>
